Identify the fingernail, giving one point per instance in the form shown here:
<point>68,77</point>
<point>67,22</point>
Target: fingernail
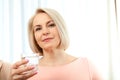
<point>35,72</point>
<point>26,60</point>
<point>32,66</point>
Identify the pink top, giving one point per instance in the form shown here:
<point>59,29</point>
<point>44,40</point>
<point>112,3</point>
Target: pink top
<point>79,69</point>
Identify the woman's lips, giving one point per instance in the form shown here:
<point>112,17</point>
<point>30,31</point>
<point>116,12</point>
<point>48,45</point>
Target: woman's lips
<point>47,39</point>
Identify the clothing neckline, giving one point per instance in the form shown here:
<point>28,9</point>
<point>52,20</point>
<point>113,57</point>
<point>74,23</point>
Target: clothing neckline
<point>73,61</point>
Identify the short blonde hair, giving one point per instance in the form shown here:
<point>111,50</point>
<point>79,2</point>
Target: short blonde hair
<point>61,26</point>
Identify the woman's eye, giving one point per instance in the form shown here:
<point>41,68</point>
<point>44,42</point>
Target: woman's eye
<point>51,25</point>
<point>37,29</point>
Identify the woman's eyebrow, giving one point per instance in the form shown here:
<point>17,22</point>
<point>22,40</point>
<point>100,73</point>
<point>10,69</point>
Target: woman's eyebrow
<point>49,21</point>
<point>38,25</point>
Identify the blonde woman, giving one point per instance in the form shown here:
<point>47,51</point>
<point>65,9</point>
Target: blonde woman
<point>48,37</point>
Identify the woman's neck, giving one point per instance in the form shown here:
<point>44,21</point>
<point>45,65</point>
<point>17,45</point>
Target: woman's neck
<point>52,55</point>
<point>55,58</point>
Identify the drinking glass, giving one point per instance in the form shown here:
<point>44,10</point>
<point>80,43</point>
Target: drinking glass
<point>33,59</point>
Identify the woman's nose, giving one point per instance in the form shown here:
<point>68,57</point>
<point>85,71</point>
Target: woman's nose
<point>46,31</point>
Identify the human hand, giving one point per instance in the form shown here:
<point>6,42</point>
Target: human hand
<point>21,71</point>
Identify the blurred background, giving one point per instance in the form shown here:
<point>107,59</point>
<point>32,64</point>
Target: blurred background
<point>93,26</point>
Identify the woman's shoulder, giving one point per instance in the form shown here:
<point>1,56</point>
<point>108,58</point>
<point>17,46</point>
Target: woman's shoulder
<point>85,60</point>
<point>82,59</point>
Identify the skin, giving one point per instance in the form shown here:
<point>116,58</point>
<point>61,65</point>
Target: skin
<point>45,32</point>
<point>47,37</point>
<point>18,71</point>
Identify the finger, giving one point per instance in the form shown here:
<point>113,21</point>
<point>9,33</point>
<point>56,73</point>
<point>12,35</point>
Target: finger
<point>24,76</point>
<point>18,77</point>
<point>22,69</point>
<point>19,63</point>
<point>30,74</point>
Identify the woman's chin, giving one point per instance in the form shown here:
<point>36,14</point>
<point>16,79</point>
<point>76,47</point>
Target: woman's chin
<point>48,48</point>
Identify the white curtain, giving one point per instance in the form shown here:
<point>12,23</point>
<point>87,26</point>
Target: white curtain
<point>14,17</point>
<point>114,26</point>
<point>93,27</point>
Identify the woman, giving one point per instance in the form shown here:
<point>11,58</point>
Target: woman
<point>5,69</point>
<point>48,37</point>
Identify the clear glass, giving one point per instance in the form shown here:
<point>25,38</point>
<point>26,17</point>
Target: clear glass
<point>33,59</point>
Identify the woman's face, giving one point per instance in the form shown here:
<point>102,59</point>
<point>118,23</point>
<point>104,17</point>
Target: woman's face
<point>45,31</point>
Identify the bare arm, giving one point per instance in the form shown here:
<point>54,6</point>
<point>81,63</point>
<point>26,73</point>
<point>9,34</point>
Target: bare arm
<point>5,69</point>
